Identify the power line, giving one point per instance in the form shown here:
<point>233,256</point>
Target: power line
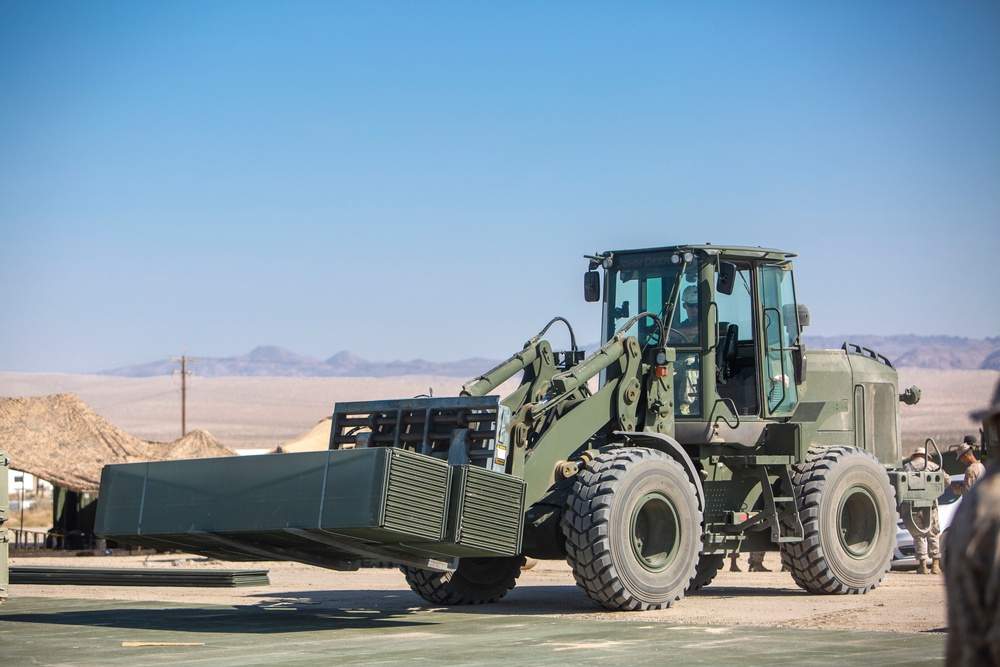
<point>184,372</point>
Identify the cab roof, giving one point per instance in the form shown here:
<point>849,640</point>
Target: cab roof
<point>729,252</point>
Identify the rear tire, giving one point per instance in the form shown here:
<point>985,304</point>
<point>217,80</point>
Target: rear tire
<point>708,566</point>
<point>848,513</point>
<point>633,530</point>
<point>476,581</point>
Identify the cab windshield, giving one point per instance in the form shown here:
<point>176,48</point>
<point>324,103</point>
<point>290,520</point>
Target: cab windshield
<point>647,283</point>
<point>643,283</point>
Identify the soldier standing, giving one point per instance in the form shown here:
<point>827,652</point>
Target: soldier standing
<point>734,562</point>
<point>972,571</point>
<point>927,543</point>
<point>757,562</point>
<point>974,469</point>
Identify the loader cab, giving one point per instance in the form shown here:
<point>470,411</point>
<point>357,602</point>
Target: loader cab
<point>730,316</point>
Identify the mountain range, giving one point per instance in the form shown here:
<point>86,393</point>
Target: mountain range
<point>274,361</point>
<point>939,352</point>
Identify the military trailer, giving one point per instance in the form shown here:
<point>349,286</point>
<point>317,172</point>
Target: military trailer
<point>702,426</point>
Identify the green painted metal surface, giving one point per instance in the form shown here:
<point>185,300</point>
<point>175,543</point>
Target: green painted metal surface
<point>146,576</point>
<point>212,505</point>
<point>486,513</point>
<point>313,506</point>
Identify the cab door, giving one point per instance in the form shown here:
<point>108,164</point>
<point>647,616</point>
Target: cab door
<point>780,329</point>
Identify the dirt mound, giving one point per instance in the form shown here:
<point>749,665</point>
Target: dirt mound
<point>61,439</point>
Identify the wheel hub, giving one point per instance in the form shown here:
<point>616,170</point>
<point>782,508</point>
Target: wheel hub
<point>858,522</point>
<point>655,532</point>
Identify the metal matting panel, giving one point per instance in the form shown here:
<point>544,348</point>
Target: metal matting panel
<point>492,513</point>
<point>115,576</point>
<point>240,508</point>
<point>416,496</point>
<point>486,515</point>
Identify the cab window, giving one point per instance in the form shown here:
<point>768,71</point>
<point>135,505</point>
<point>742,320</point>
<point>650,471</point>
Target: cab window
<point>736,355</point>
<point>781,332</point>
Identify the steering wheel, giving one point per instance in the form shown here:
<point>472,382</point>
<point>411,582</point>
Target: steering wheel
<point>680,337</point>
<point>673,336</point>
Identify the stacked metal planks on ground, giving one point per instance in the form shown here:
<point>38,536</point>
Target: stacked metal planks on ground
<point>112,576</point>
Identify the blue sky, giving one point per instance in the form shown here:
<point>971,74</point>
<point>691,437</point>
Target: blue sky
<point>405,179</point>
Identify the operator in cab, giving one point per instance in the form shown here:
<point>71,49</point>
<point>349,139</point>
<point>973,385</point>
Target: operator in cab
<point>686,368</point>
<point>687,330</point>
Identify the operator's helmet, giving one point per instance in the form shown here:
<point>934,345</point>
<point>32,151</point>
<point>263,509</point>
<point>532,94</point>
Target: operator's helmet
<point>919,451</point>
<point>690,296</point>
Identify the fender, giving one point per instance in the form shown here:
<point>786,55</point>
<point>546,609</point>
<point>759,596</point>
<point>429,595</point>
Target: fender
<point>668,445</point>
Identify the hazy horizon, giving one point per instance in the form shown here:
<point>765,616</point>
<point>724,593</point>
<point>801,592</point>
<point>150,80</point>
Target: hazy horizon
<point>263,412</point>
<point>264,354</point>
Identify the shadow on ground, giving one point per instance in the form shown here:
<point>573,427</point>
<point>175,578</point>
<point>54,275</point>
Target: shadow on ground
<point>197,619</point>
<point>305,611</point>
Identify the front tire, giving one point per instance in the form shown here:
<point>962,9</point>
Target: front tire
<point>633,530</point>
<point>848,513</point>
<point>475,581</point>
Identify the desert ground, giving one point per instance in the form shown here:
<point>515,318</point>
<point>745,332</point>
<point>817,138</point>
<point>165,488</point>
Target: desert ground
<point>904,602</point>
<point>262,413</point>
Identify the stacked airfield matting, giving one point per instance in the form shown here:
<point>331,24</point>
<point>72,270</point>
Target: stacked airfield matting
<point>320,508</point>
<point>113,576</point>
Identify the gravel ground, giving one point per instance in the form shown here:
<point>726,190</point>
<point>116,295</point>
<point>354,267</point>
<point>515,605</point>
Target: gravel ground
<point>904,602</point>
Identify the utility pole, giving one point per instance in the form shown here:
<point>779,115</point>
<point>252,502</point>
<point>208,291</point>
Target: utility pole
<point>184,372</point>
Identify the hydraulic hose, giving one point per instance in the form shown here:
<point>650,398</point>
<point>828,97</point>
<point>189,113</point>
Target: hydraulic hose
<point>572,337</point>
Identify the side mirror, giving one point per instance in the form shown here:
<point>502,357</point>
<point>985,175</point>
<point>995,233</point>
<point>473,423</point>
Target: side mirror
<point>726,280</point>
<point>803,314</point>
<point>592,286</point>
<point>799,363</point>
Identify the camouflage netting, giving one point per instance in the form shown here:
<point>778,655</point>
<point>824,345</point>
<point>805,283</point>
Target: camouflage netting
<point>60,439</point>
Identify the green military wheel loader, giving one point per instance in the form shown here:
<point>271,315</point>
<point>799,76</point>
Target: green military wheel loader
<point>700,427</point>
